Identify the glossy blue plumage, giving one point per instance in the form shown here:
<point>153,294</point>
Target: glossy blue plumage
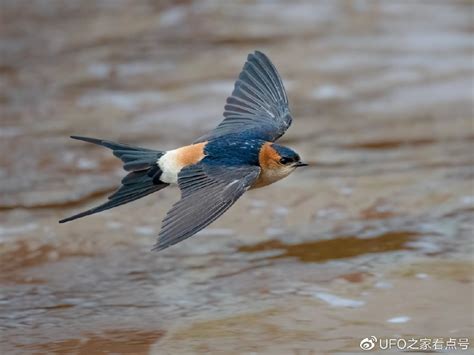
<point>233,150</point>
<point>286,152</point>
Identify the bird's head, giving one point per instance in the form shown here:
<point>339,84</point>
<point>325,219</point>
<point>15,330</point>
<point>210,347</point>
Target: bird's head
<point>287,157</point>
<point>279,159</point>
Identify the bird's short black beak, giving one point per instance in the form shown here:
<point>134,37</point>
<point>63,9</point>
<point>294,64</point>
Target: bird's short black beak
<point>298,164</point>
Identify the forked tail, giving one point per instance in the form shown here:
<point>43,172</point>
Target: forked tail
<point>143,179</point>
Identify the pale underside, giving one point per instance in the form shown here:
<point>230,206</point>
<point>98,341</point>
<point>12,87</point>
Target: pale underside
<point>170,167</point>
<point>269,176</point>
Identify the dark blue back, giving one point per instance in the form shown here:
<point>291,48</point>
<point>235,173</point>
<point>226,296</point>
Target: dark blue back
<point>233,150</point>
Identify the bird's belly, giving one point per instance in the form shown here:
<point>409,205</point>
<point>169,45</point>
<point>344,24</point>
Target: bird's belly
<point>269,176</point>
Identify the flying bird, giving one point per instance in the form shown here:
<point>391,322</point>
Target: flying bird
<point>216,169</point>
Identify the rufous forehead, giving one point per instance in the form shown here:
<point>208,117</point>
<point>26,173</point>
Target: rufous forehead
<point>268,156</point>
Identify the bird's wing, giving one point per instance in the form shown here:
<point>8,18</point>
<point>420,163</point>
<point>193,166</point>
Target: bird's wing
<point>206,193</point>
<point>258,105</point>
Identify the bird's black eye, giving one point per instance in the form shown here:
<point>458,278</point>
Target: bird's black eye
<point>286,160</point>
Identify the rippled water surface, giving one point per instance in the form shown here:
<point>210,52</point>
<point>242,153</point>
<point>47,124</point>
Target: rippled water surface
<point>374,239</point>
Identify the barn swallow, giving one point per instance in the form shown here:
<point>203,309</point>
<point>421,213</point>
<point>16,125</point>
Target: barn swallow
<point>216,169</point>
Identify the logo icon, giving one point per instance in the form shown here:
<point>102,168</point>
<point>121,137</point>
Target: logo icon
<point>368,343</point>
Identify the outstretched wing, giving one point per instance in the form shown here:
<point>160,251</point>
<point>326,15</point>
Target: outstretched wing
<point>258,105</point>
<point>206,193</point>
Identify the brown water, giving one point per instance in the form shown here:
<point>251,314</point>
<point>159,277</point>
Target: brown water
<point>375,239</point>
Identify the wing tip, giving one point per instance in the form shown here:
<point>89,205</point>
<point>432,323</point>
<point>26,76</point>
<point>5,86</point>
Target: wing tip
<point>159,247</point>
<point>258,55</point>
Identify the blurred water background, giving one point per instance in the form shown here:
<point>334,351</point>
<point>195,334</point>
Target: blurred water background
<point>374,240</point>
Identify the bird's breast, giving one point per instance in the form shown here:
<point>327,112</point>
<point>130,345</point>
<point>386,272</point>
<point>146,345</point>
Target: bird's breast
<point>268,176</point>
<point>173,161</point>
